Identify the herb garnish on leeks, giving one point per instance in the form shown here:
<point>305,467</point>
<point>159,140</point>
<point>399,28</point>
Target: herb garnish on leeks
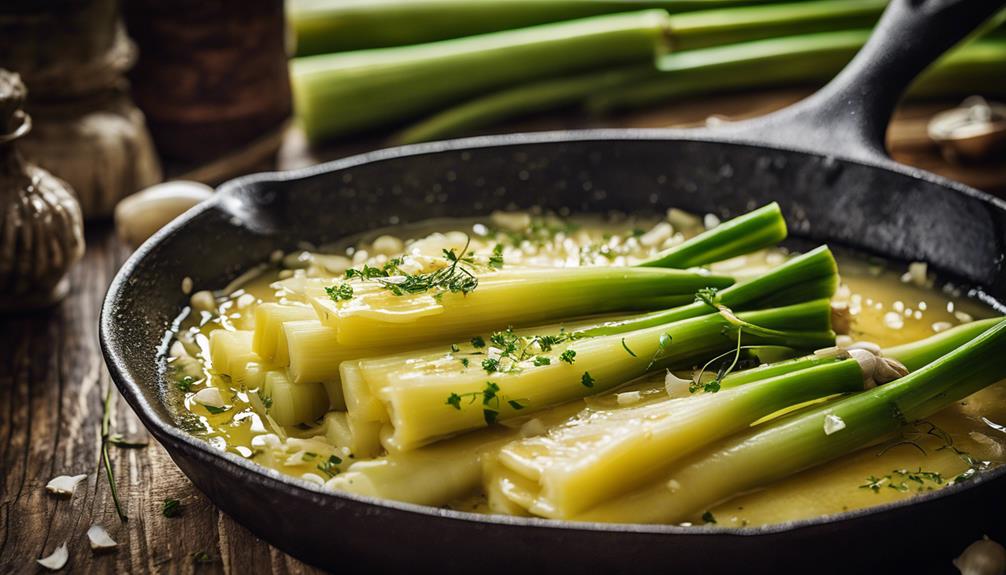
<point>415,388</point>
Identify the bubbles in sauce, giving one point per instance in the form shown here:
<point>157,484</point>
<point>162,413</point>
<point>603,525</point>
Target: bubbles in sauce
<point>888,304</point>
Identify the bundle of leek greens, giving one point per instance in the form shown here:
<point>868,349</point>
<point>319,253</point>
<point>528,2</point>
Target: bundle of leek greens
<point>443,68</point>
<point>426,376</point>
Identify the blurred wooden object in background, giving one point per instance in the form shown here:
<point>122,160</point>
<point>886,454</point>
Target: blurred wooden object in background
<point>211,76</point>
<point>73,54</point>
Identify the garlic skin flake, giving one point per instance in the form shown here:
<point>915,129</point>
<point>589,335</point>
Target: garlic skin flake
<point>64,484</point>
<point>56,560</point>
<point>100,539</point>
<point>833,424</point>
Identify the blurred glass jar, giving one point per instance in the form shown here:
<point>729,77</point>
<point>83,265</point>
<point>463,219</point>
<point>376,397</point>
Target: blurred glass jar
<point>211,75</point>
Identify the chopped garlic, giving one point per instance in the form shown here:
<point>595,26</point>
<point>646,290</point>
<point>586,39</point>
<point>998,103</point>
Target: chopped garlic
<point>628,397</point>
<point>918,273</point>
<point>673,485</point>
<point>209,397</point>
<point>681,219</point>
<point>186,285</point>
<point>388,245</point>
<point>963,317</point>
<point>100,539</point>
<point>533,428</point>
<point>832,424</point>
<point>657,235</point>
<point>710,221</point>
<point>64,484</point>
<point>295,459</point>
<point>513,221</point>
<point>57,560</point>
<point>894,320</point>
<point>313,478</point>
<point>675,386</point>
<point>866,346</point>
<point>203,301</point>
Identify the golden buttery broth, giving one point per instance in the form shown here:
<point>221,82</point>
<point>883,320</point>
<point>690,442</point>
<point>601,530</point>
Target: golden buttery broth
<point>889,304</point>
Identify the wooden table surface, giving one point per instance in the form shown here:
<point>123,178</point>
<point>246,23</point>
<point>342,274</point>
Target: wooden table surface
<point>53,380</point>
<point>52,385</point>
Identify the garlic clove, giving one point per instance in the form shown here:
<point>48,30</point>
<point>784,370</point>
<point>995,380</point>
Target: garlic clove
<point>56,560</point>
<point>983,557</point>
<point>100,539</point>
<point>138,216</point>
<point>64,484</point>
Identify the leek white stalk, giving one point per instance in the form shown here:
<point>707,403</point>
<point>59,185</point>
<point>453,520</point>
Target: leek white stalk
<point>609,452</point>
<point>416,393</point>
<point>781,448</point>
<point>507,298</point>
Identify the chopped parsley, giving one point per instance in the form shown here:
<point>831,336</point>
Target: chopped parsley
<point>341,292</point>
<point>478,342</point>
<point>455,348</point>
<point>171,508</point>
<point>185,383</point>
<point>215,410</point>
<point>266,399</point>
<point>542,360</point>
<point>663,343</point>
<point>496,259</point>
<point>465,362</point>
<point>490,365</point>
<point>904,480</point>
<point>568,356</point>
<point>627,350</point>
<point>587,380</point>
<point>708,517</point>
<point>491,400</point>
<point>331,466</point>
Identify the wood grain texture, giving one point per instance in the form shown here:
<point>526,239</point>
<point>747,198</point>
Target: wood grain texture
<point>52,383</point>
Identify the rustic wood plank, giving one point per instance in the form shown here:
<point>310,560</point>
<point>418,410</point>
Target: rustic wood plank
<point>52,383</point>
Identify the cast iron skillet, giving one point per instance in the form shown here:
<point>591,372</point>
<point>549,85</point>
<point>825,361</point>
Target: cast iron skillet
<point>821,159</point>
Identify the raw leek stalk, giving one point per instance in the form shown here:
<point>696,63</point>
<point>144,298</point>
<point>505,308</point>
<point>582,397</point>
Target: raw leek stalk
<point>337,94</point>
<point>701,29</point>
<point>707,28</point>
<point>610,452</point>
<point>790,60</point>
<point>323,26</point>
<point>434,396</point>
<point>781,448</point>
<point>381,319</point>
<point>754,230</point>
<point>809,58</point>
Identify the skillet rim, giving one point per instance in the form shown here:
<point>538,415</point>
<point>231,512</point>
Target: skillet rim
<point>173,437</point>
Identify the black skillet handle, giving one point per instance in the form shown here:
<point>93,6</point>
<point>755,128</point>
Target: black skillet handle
<point>849,117</point>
